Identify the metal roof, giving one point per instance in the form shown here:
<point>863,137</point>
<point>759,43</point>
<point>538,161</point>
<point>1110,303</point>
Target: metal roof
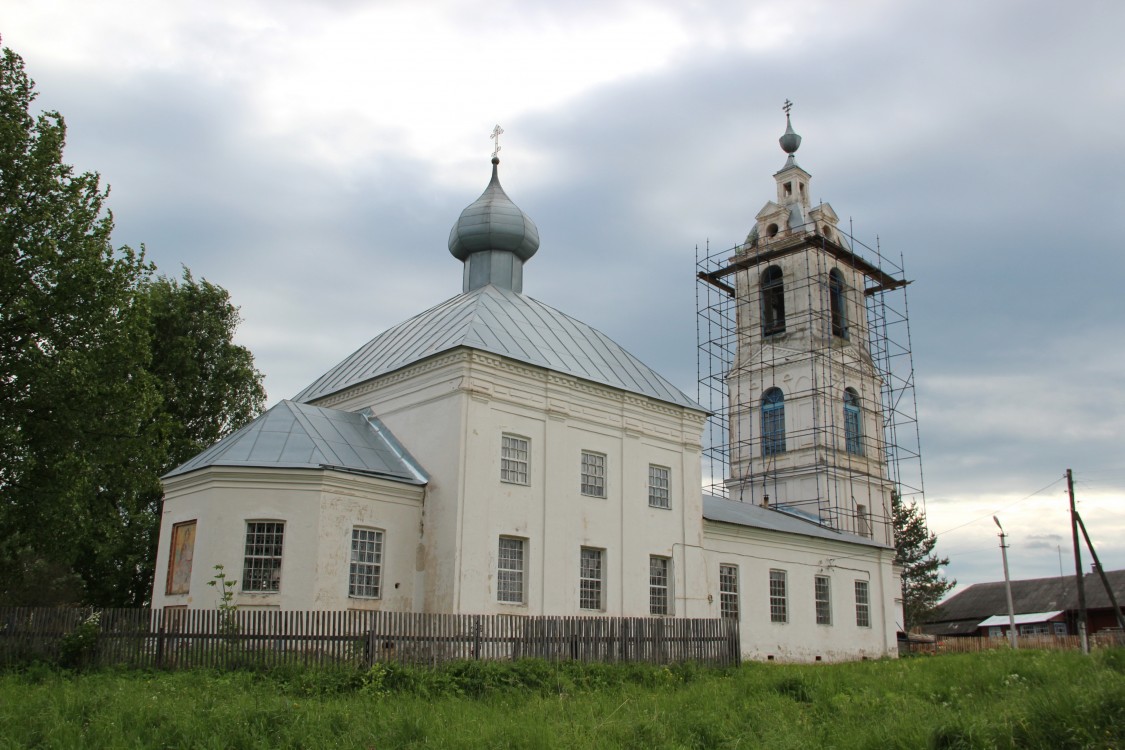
<point>774,519</point>
<point>509,324</point>
<point>1025,619</point>
<point>983,600</point>
<point>300,436</point>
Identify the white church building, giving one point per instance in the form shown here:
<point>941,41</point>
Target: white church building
<point>493,455</point>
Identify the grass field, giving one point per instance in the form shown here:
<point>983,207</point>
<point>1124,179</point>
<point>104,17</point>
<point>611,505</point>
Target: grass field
<point>1000,699</point>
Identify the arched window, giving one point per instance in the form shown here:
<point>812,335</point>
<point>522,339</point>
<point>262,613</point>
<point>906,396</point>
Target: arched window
<point>773,422</point>
<point>773,301</point>
<point>853,423</point>
<point>836,302</point>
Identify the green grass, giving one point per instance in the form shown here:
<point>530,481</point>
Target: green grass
<point>998,699</point>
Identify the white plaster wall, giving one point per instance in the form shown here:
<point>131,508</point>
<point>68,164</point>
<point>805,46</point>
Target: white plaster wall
<point>756,552</point>
<point>451,412</point>
<point>319,509</point>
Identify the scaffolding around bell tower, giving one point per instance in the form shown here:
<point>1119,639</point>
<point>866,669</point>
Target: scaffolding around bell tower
<point>841,455</point>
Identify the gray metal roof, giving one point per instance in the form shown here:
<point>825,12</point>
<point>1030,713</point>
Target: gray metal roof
<point>983,600</point>
<point>300,436</point>
<point>507,323</point>
<point>772,519</point>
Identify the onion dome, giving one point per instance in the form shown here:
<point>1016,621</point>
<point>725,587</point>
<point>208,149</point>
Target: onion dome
<point>790,141</point>
<point>493,237</point>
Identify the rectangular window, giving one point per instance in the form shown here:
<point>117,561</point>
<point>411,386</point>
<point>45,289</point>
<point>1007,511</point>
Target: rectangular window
<point>1059,628</point>
<point>261,568</point>
<point>179,558</point>
<point>593,474</point>
<point>779,597</point>
<point>590,579</point>
<point>862,604</point>
<point>728,591</point>
<point>658,495</point>
<point>823,588</point>
<point>509,570</point>
<point>366,574</point>
<point>659,586</point>
<point>514,459</point>
<point>863,520</point>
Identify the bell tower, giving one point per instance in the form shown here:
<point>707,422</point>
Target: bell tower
<point>804,381</point>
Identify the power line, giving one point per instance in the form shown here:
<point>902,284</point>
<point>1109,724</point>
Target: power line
<point>991,513</point>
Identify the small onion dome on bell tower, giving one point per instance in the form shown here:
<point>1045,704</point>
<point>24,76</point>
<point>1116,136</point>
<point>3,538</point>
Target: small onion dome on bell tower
<point>493,238</point>
<point>790,141</point>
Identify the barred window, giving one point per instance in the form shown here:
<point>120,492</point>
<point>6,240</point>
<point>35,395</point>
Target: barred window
<point>593,474</point>
<point>590,579</point>
<point>728,591</point>
<point>509,570</point>
<point>779,598</point>
<point>366,574</point>
<point>862,604</point>
<point>261,567</point>
<point>823,588</point>
<point>658,494</point>
<point>659,586</point>
<point>514,459</point>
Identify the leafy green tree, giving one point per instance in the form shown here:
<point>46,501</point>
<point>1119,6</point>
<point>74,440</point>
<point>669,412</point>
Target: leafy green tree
<point>923,584</point>
<point>76,401</point>
<point>209,386</point>
<point>109,377</point>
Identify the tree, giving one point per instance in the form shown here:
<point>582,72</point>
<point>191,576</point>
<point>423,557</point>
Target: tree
<point>108,377</point>
<point>209,386</point>
<point>74,392</point>
<point>923,584</point>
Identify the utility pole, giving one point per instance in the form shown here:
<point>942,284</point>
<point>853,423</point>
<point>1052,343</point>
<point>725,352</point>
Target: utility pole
<point>1008,587</point>
<point>1077,566</point>
<point>1101,572</point>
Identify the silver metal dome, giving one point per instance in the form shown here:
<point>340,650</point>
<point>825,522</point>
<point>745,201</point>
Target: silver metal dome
<point>790,141</point>
<point>493,222</point>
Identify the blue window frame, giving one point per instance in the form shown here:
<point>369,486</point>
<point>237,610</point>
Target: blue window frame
<point>853,423</point>
<point>773,422</point>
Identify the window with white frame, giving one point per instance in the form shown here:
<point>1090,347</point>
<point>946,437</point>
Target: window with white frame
<point>1035,628</point>
<point>779,597</point>
<point>593,474</point>
<point>590,578</point>
<point>658,487</point>
<point>261,566</point>
<point>365,575</point>
<point>510,566</point>
<point>862,604</point>
<point>728,591</point>
<point>514,459</point>
<point>823,592</point>
<point>659,585</point>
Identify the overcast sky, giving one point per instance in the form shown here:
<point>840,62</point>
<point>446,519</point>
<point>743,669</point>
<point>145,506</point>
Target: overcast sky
<point>311,157</point>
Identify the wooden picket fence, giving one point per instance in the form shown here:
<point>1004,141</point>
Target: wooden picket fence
<point>972,645</point>
<point>187,638</point>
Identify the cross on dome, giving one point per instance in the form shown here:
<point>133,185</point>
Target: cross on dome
<point>496,133</point>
